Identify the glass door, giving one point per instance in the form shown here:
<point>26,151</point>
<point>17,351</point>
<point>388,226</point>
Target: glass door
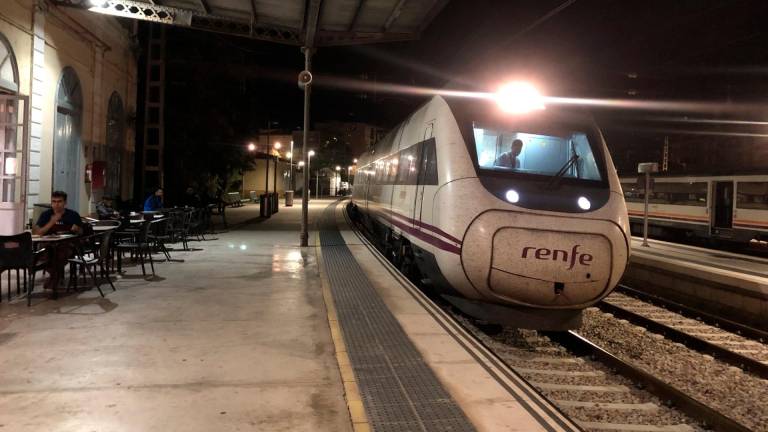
<point>13,165</point>
<point>723,203</point>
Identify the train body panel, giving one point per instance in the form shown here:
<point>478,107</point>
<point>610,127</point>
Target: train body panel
<point>423,186</point>
<point>732,208</point>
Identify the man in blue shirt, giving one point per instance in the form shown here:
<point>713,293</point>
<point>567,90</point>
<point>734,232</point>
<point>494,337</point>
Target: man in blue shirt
<point>58,219</point>
<point>154,202</point>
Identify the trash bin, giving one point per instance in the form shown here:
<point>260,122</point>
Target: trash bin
<point>265,210</point>
<point>289,198</point>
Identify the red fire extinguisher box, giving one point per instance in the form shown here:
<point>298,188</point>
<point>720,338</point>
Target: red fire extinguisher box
<point>99,174</point>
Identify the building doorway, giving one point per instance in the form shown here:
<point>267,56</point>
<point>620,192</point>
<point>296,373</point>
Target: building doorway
<point>67,137</point>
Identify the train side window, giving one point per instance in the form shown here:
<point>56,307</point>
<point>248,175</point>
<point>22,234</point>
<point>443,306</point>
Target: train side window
<point>679,193</point>
<point>408,166</point>
<point>429,165</point>
<point>752,195</point>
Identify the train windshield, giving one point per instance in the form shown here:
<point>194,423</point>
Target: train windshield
<point>556,153</point>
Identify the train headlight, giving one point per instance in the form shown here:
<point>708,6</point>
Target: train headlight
<point>512,196</point>
<point>584,203</point>
<point>519,98</point>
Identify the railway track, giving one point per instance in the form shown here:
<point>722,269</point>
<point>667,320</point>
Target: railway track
<point>735,349</point>
<point>599,390</point>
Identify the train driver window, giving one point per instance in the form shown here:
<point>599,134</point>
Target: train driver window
<point>541,154</point>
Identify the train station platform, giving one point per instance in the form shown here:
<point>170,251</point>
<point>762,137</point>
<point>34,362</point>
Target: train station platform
<point>718,282</point>
<point>249,331</point>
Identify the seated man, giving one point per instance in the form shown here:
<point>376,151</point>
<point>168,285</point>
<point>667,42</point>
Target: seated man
<point>58,219</point>
<point>509,159</point>
<point>154,202</point>
<point>105,210</point>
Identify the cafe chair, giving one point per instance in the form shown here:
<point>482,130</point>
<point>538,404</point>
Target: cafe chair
<point>140,247</point>
<point>17,253</point>
<point>99,257</point>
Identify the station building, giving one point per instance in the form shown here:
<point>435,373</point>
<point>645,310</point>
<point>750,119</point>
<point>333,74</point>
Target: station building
<point>68,81</point>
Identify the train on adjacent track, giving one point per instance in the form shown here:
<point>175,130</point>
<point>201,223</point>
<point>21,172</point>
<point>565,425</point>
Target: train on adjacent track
<point>515,219</point>
<point>730,209</point>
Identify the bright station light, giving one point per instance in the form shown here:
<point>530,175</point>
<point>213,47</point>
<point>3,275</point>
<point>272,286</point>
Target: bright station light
<point>251,147</point>
<point>311,153</point>
<point>584,203</point>
<point>512,196</point>
<point>519,98</point>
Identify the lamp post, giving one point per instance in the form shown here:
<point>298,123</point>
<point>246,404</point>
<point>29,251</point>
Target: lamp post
<point>289,155</point>
<point>309,171</point>
<point>251,148</point>
<point>337,180</point>
<point>274,176</point>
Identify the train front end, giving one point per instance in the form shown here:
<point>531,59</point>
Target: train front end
<point>546,231</point>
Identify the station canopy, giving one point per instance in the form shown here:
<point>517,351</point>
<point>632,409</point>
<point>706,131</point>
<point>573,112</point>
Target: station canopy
<point>311,23</point>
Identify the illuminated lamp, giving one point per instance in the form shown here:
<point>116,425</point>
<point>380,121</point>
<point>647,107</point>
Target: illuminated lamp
<point>519,98</point>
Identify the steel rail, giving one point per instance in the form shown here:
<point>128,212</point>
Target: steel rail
<point>698,344</point>
<point>697,410</point>
<point>723,323</point>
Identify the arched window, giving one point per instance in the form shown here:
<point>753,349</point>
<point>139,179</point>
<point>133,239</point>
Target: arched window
<point>10,156</point>
<point>9,72</point>
<point>66,140</point>
<point>115,145</point>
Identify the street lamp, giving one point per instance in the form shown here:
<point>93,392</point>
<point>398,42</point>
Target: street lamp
<point>290,175</point>
<point>337,180</point>
<point>251,147</point>
<point>309,172</point>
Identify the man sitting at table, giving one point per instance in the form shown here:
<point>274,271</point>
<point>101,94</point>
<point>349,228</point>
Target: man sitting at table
<point>58,219</point>
<point>105,210</point>
<point>154,202</point>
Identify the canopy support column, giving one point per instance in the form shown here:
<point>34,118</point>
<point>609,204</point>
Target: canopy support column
<point>305,152</point>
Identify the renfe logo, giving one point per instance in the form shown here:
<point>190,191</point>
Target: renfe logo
<point>554,255</point>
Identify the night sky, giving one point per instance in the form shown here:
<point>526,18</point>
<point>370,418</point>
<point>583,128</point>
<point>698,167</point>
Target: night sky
<point>699,50</point>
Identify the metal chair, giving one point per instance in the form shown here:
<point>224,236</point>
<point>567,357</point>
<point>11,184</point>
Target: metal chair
<point>98,258</point>
<point>160,235</point>
<point>17,253</point>
<point>140,247</point>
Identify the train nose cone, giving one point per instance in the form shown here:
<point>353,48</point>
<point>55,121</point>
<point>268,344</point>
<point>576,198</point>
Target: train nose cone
<point>543,261</point>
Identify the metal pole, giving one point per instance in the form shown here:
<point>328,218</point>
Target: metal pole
<point>266,161</point>
<point>309,173</point>
<point>274,176</point>
<point>645,213</point>
<point>304,152</point>
<point>290,172</point>
<point>266,179</point>
<point>317,185</point>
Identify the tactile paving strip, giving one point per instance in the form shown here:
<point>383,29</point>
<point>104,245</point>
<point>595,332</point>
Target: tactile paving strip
<point>399,391</point>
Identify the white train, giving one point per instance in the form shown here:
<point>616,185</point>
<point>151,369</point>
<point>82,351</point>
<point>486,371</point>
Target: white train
<point>527,238</point>
<point>731,208</point>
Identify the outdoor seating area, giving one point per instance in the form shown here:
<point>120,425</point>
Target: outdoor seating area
<point>103,252</point>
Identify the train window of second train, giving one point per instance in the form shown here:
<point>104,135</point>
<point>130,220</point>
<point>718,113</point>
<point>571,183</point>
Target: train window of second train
<point>679,193</point>
<point>752,195</point>
<point>632,193</point>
